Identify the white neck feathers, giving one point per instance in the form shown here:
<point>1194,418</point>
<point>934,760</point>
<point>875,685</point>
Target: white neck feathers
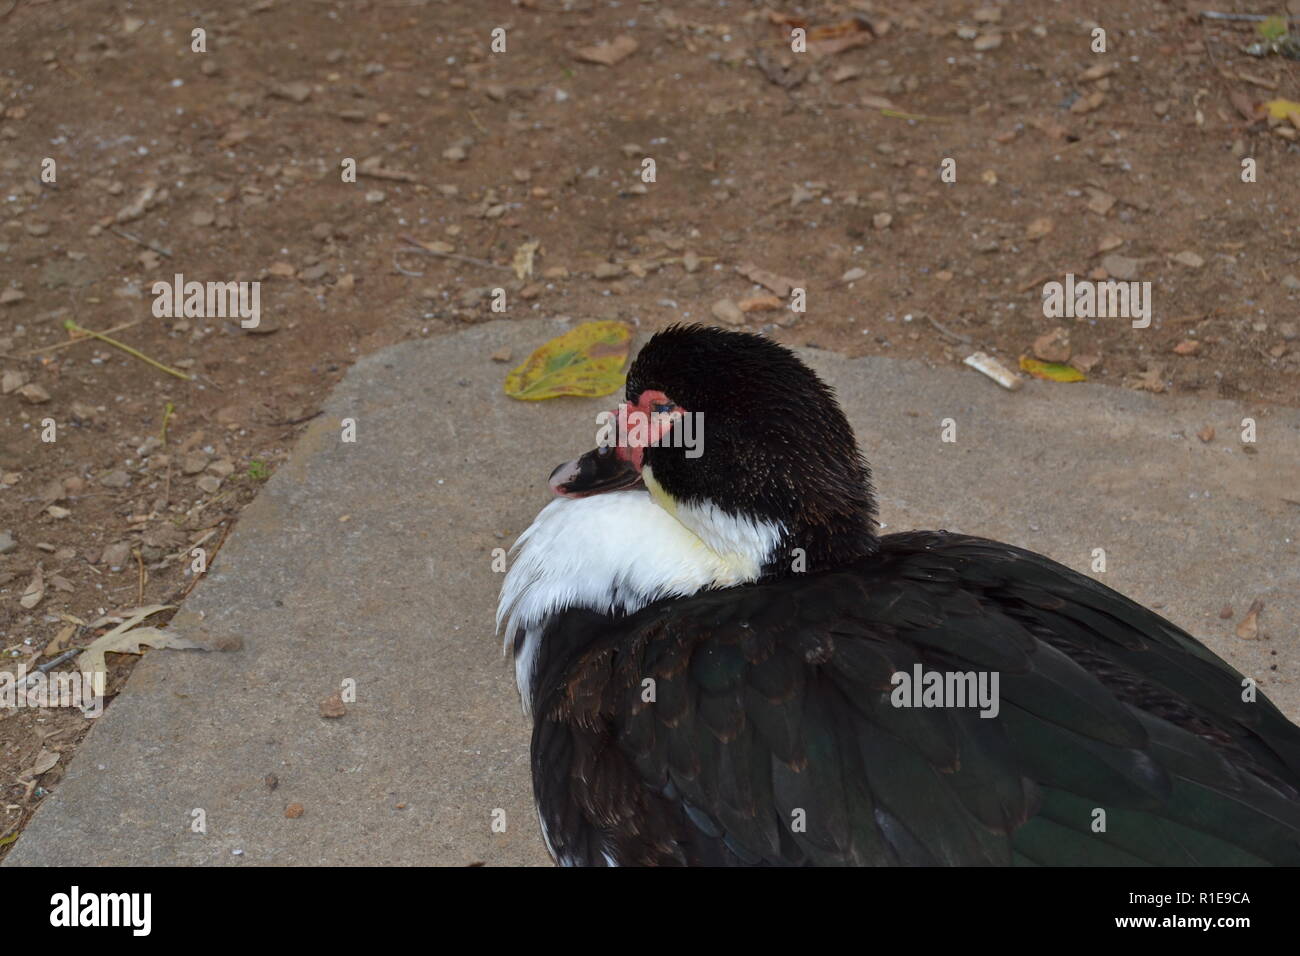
<point>616,553</point>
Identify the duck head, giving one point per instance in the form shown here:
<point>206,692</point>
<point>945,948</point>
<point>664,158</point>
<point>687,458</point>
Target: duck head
<point>740,442</point>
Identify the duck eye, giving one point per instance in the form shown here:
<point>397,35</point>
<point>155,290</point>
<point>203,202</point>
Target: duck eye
<point>662,408</point>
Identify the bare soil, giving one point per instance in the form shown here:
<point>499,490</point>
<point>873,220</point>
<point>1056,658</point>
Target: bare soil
<point>808,165</point>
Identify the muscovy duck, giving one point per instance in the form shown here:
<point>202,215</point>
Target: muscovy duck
<point>718,652</point>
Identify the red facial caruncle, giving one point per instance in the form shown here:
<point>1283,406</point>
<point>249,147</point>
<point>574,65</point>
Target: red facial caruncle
<point>616,463</point>
<point>643,425</point>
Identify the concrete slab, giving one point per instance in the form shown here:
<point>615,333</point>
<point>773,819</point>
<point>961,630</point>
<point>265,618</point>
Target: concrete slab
<point>372,561</point>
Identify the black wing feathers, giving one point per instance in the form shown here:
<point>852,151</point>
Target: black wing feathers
<point>754,726</point>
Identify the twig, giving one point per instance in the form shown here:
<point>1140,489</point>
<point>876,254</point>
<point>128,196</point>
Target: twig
<point>1037,280</point>
<point>296,421</point>
<point>141,242</point>
<point>777,75</point>
<point>676,260</point>
<point>1205,42</point>
<point>899,114</point>
<point>140,590</point>
<point>64,345</point>
<point>1244,17</point>
<point>186,551</point>
<point>389,175</point>
<point>1256,81</point>
<point>72,326</point>
<point>92,494</point>
<point>68,69</point>
<point>955,336</point>
<point>52,663</point>
<point>398,266</point>
<point>496,231</point>
<point>421,248</point>
<point>481,128</point>
<point>194,578</point>
<point>1082,141</point>
<point>167,416</point>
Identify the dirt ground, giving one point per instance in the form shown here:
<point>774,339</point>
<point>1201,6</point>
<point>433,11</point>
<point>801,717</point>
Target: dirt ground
<point>822,166</point>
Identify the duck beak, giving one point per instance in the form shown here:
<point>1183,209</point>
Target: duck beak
<point>616,463</point>
<point>599,470</point>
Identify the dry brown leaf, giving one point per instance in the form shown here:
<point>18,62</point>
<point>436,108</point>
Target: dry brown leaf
<point>1050,128</point>
<point>60,641</point>
<point>827,41</point>
<point>785,19</point>
<point>1244,105</point>
<point>874,102</point>
<point>1088,104</point>
<point>760,303</point>
<point>44,763</point>
<point>609,53</point>
<point>1248,629</point>
<point>35,591</point>
<point>523,261</point>
<point>1098,72</point>
<point>52,491</point>
<point>768,280</point>
<point>127,638</point>
<point>844,28</point>
<point>373,167</point>
<point>1151,380</point>
<point>1053,346</point>
<point>727,312</point>
<point>1099,201</point>
<point>1039,228</point>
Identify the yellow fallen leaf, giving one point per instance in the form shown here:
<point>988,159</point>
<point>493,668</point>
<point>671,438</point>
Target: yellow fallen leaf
<point>1281,109</point>
<point>1274,28</point>
<point>586,361</point>
<point>1052,371</point>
